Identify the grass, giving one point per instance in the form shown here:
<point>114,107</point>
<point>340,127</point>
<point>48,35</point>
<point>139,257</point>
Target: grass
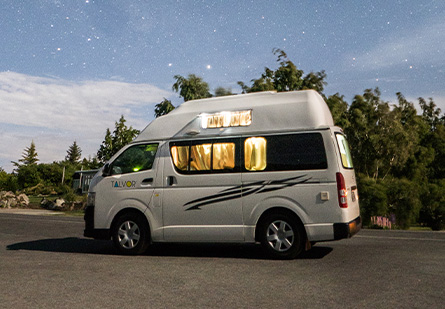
<point>419,228</point>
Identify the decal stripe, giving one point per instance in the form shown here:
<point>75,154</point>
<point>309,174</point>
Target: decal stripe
<point>246,190</point>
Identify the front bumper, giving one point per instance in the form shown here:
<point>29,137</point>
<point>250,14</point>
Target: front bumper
<point>347,230</point>
<point>90,231</point>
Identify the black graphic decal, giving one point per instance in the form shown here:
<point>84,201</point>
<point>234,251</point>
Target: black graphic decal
<point>246,190</point>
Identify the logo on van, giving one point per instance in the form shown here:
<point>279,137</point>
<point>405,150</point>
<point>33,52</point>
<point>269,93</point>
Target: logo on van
<point>123,184</point>
<point>246,190</point>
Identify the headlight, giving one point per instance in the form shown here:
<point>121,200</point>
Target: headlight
<point>91,199</point>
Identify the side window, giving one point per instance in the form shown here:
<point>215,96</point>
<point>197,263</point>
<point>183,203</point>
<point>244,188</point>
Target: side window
<point>255,153</point>
<point>134,159</point>
<point>180,156</point>
<point>208,156</point>
<point>303,151</point>
<point>200,156</point>
<point>345,154</point>
<point>223,156</point>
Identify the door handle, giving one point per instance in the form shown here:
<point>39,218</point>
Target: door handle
<point>171,180</point>
<point>147,181</point>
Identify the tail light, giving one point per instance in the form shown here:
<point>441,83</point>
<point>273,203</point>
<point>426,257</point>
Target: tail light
<point>342,192</point>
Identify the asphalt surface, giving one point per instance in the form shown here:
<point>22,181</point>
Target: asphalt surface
<point>46,263</point>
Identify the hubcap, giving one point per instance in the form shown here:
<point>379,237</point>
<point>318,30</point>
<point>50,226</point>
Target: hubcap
<point>280,235</point>
<point>129,235</point>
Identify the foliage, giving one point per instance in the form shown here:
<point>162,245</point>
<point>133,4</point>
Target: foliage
<point>8,182</point>
<point>221,92</point>
<point>113,142</point>
<point>286,78</point>
<point>191,88</point>
<point>29,156</point>
<point>163,108</point>
<point>373,198</point>
<point>74,153</point>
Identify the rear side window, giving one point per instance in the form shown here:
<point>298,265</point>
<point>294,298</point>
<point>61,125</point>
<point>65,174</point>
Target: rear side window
<point>285,152</point>
<point>345,154</point>
<point>255,154</point>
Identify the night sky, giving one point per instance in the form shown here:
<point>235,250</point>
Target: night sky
<point>69,69</point>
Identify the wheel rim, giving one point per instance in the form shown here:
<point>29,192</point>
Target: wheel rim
<point>128,235</point>
<point>280,236</point>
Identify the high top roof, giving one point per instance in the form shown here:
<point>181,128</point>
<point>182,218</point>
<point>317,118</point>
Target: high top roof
<point>271,111</point>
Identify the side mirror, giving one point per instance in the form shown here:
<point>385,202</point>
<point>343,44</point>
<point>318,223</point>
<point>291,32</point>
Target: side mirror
<point>106,170</point>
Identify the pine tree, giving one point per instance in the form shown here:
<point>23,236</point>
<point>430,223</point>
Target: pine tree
<point>29,156</point>
<point>113,142</point>
<point>73,153</point>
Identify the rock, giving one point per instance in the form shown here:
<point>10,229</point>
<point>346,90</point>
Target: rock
<point>8,194</point>
<point>50,205</point>
<point>44,203</point>
<point>59,202</point>
<point>9,200</point>
<point>23,199</point>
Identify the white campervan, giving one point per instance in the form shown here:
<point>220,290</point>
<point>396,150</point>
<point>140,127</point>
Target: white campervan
<point>264,167</point>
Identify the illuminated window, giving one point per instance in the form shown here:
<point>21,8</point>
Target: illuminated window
<point>200,157</point>
<point>134,159</point>
<point>226,119</point>
<point>191,157</point>
<point>223,156</point>
<point>255,154</point>
<point>180,155</point>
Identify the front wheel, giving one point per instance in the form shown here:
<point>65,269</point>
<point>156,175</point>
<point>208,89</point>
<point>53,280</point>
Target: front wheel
<point>281,236</point>
<point>130,234</point>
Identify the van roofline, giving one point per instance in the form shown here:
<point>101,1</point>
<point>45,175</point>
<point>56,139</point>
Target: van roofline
<point>270,111</point>
<point>271,132</point>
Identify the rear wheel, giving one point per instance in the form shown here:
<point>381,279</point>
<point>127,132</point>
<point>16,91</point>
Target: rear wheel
<point>131,234</point>
<point>281,236</point>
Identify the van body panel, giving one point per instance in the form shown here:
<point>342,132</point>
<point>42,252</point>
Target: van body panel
<point>319,231</point>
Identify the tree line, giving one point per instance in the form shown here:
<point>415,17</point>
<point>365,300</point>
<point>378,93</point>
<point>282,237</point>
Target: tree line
<point>398,153</point>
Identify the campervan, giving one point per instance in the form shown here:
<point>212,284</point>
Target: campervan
<point>268,168</point>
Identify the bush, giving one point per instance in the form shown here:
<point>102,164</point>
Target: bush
<point>372,198</point>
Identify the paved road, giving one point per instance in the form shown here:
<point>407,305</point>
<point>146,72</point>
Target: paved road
<point>46,263</point>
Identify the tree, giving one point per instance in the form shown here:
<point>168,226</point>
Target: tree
<point>90,163</point>
<point>112,143</point>
<point>29,156</point>
<point>191,88</point>
<point>286,78</point>
<point>163,108</point>
<point>221,91</point>
<point>73,153</point>
<point>339,110</point>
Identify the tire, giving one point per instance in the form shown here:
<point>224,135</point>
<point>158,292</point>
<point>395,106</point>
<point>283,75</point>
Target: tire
<point>131,234</point>
<point>281,236</point>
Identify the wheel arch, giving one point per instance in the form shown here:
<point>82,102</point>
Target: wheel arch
<point>135,211</point>
<point>280,210</point>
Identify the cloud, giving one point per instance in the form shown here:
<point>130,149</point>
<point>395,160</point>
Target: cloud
<point>423,46</point>
<point>55,112</point>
